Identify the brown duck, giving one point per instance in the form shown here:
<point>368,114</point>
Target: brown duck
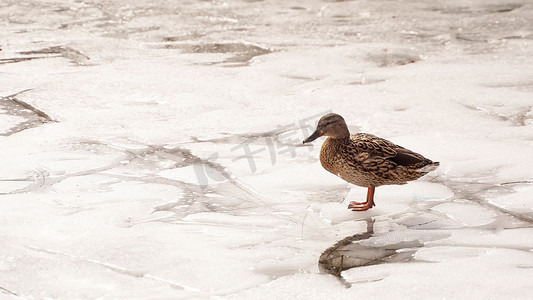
<point>366,160</point>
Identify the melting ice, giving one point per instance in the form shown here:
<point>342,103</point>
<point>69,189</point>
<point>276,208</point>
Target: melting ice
<point>153,149</point>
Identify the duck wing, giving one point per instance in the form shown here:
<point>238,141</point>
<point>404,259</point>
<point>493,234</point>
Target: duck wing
<point>406,157</point>
<point>376,146</point>
<point>373,145</point>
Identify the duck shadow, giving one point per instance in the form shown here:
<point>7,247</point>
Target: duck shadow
<point>352,252</point>
<point>421,225</point>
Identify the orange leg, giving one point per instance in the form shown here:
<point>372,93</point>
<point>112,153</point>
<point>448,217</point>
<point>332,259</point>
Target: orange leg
<point>362,206</point>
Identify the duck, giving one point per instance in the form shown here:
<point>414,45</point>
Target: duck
<point>366,160</point>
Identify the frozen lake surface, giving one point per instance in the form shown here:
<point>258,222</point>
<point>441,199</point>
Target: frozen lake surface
<point>152,150</point>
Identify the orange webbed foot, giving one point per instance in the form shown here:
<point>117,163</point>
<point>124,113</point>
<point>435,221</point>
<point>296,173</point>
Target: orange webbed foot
<point>362,206</point>
<point>358,206</point>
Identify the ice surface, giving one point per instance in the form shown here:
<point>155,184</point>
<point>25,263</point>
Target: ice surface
<point>153,149</point>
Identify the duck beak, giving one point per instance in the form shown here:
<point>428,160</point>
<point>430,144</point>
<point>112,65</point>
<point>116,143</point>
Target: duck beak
<point>313,137</point>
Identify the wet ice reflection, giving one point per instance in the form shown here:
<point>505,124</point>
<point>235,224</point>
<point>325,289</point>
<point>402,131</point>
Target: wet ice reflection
<point>158,153</point>
<point>20,115</point>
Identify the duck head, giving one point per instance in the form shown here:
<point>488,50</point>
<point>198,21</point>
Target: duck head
<point>332,125</point>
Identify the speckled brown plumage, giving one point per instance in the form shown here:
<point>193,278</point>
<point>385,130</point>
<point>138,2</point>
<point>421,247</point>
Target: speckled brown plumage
<point>366,160</point>
<point>369,161</point>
